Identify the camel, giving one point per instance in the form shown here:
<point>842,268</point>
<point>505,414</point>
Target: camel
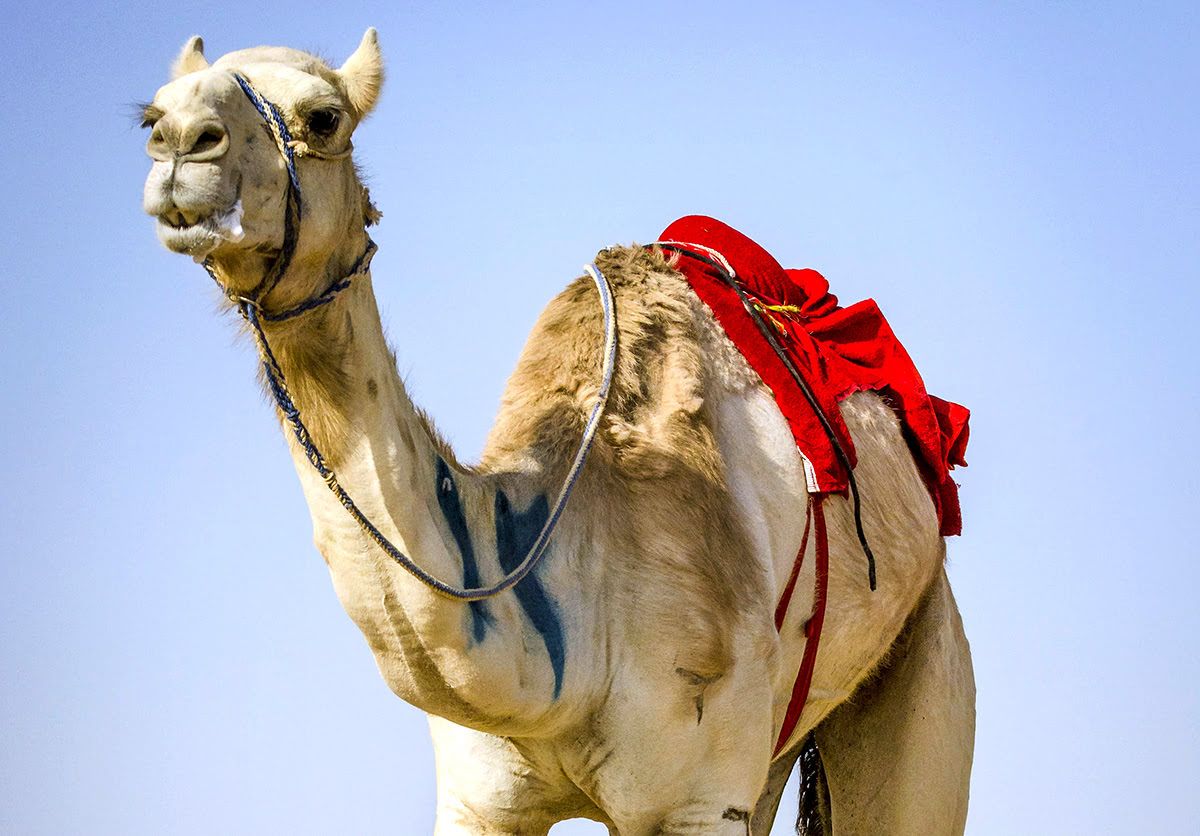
<point>635,676</point>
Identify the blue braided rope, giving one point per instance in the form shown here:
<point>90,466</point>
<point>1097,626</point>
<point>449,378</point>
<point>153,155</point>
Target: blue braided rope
<point>325,297</point>
<point>279,130</point>
<point>361,266</point>
<point>293,211</point>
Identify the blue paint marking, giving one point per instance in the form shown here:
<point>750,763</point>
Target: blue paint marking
<point>515,533</point>
<point>451,505</point>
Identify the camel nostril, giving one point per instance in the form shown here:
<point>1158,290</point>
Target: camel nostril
<point>158,146</point>
<point>207,141</point>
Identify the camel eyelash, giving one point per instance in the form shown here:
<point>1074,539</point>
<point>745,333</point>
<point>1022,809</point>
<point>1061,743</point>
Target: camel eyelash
<point>147,114</point>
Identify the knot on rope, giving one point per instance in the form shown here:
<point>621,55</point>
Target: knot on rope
<point>300,148</point>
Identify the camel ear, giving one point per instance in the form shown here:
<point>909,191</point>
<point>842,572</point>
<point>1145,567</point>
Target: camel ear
<point>191,58</point>
<point>362,74</point>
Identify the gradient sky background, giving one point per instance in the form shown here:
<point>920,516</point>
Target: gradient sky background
<point>1018,185</point>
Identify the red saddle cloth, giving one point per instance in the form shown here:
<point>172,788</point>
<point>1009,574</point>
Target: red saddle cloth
<point>838,350</point>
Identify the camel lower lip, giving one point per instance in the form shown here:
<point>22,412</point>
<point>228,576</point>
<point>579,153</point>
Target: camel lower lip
<point>195,240</point>
<point>198,236</point>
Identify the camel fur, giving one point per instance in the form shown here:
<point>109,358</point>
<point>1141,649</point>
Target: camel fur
<point>636,677</point>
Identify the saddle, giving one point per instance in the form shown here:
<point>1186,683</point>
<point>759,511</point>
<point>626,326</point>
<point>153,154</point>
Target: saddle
<point>839,351</point>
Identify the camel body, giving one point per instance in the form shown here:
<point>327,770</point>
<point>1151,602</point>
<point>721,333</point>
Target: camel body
<point>636,677</point>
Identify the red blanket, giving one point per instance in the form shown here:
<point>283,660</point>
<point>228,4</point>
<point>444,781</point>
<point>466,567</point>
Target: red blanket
<point>839,351</point>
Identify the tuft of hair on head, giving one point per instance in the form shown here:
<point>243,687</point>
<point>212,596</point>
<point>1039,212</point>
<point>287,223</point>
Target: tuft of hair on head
<point>371,214</point>
<point>190,59</point>
<point>362,75</point>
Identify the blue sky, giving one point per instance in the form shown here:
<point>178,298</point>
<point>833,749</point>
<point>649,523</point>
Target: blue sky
<point>1016,184</point>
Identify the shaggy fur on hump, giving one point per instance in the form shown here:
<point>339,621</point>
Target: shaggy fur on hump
<point>655,482</point>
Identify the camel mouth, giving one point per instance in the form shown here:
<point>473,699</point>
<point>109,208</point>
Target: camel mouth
<point>178,219</point>
<point>198,234</point>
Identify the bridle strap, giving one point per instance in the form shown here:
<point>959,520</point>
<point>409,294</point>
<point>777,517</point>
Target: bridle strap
<point>328,295</point>
<point>293,212</point>
<point>278,127</point>
<point>812,628</point>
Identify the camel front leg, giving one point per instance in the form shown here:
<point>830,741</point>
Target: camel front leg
<point>768,802</point>
<point>692,760</point>
<point>491,786</point>
<point>897,755</point>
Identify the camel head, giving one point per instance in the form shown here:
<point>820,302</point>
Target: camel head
<point>219,185</point>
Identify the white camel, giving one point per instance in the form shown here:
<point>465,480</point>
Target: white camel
<point>636,676</point>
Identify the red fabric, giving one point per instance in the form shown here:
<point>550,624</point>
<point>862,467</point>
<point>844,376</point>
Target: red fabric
<point>839,350</point>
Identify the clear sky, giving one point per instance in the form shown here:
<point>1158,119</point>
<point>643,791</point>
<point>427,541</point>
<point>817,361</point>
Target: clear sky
<point>1016,183</point>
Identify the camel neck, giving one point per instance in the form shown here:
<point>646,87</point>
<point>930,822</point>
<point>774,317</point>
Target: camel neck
<point>457,525</point>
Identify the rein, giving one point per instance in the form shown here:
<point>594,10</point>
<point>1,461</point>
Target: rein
<point>251,310</point>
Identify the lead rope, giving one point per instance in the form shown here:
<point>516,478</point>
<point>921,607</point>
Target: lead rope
<point>279,391</point>
<point>252,312</point>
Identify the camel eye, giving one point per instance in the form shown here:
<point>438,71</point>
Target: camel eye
<point>324,122</point>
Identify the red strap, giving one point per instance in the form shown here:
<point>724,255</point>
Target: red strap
<point>785,599</point>
<point>812,630</point>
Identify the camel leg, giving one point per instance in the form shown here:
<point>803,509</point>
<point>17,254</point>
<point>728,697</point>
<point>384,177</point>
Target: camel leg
<point>897,755</point>
<point>691,763</point>
<point>490,786</point>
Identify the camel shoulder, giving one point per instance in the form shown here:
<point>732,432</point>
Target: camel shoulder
<point>656,474</point>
